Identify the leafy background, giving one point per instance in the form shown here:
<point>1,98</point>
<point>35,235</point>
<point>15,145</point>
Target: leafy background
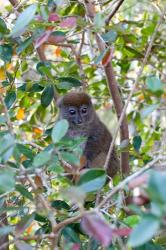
<point>48,48</point>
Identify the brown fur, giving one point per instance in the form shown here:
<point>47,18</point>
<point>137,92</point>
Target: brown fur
<point>98,137</point>
<point>76,99</point>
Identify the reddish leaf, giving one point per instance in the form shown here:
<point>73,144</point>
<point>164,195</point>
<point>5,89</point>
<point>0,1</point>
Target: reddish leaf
<point>96,227</point>
<point>122,231</point>
<point>107,57</point>
<point>138,181</point>
<point>38,18</point>
<point>56,38</point>
<point>69,22</point>
<point>38,181</point>
<point>43,38</point>
<point>140,200</point>
<point>75,246</point>
<point>53,17</point>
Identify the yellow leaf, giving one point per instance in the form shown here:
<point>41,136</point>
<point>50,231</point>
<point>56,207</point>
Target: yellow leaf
<point>30,228</point>
<point>57,51</point>
<point>2,74</point>
<point>37,131</point>
<point>2,90</point>
<point>141,97</point>
<point>9,66</point>
<point>164,95</point>
<point>23,158</point>
<point>20,114</point>
<point>38,181</point>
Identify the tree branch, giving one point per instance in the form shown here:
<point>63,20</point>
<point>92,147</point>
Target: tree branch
<point>114,11</point>
<point>41,54</point>
<point>113,88</point>
<point>14,3</point>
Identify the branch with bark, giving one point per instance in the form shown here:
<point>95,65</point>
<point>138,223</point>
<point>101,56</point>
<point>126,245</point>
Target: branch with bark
<point>114,90</point>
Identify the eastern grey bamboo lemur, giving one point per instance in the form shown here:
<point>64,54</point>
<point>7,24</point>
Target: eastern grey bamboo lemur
<point>77,109</point>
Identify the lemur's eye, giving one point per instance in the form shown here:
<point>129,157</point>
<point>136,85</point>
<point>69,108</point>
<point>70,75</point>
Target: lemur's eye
<point>72,112</point>
<point>84,110</point>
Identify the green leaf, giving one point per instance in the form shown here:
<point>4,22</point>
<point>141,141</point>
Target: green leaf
<point>59,130</point>
<point>68,82</point>
<point>6,52</point>
<point>65,85</point>
<point>10,99</point>
<point>70,158</point>
<point>36,88</point>
<point>137,141</point>
<point>55,166</point>
<point>59,204</point>
<point>20,188</point>
<point>7,144</point>
<point>148,110</point>
<point>41,65</point>
<point>47,96</point>
<point>99,21</point>
<point>3,27</point>
<point>40,218</point>
<point>70,235</point>
<point>144,231</point>
<point>7,181</point>
<point>149,246</point>
<point>23,20</point>
<point>110,36</point>
<point>41,159</point>
<point>47,72</point>
<point>25,151</point>
<point>133,52</point>
<point>156,187</point>
<point>92,180</point>
<point>131,220</point>
<point>59,36</point>
<point>24,45</point>
<point>154,85</point>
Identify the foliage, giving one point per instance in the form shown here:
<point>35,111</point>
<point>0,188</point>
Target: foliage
<point>49,47</point>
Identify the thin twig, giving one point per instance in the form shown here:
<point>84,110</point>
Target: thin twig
<point>82,43</point>
<point>78,61</point>
<point>114,11</point>
<point>122,184</point>
<point>27,238</point>
<point>14,3</point>
<point>9,124</point>
<point>33,144</point>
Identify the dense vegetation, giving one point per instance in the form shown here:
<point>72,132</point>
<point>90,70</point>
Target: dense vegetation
<point>107,48</point>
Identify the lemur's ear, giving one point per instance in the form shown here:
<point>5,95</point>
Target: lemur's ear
<point>59,102</point>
